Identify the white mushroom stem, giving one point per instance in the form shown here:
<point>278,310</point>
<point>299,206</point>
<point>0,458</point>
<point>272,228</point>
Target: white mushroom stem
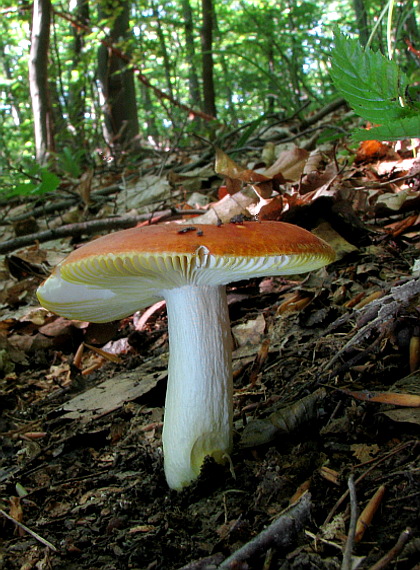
<point>198,407</point>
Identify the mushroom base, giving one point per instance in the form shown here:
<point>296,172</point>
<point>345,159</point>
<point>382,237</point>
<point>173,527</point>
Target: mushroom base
<point>198,407</point>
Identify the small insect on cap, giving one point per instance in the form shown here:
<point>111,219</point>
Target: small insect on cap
<point>113,276</point>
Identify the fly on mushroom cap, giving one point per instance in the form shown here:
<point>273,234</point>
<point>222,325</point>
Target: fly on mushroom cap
<point>114,276</point>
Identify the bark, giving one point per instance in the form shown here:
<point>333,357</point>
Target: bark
<point>150,118</point>
<point>14,101</point>
<point>116,80</point>
<point>38,80</point>
<point>411,29</point>
<point>361,21</point>
<point>164,51</point>
<point>209,106</point>
<point>190,56</point>
<point>271,68</point>
<point>77,88</point>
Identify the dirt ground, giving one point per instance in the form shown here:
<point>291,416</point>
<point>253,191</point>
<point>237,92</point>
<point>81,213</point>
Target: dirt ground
<point>326,424</point>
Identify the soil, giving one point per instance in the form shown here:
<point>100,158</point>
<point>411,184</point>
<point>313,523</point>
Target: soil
<point>317,374</point>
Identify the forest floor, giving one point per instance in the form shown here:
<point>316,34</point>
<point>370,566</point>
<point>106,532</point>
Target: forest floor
<point>326,402</point>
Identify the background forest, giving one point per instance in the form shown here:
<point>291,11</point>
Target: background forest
<point>87,80</point>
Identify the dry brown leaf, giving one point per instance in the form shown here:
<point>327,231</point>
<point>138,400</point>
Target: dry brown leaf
<point>364,452</point>
<point>290,164</point>
<point>272,210</point>
<point>368,513</point>
<point>225,166</point>
<point>235,176</point>
<point>405,415</point>
<point>110,395</point>
<point>394,398</point>
<point>372,150</point>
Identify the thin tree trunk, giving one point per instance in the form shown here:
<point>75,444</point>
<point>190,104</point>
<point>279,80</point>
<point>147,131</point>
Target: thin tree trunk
<point>151,127</point>
<point>38,80</point>
<point>121,124</point>
<point>361,21</point>
<point>164,51</point>
<point>294,60</point>
<point>77,87</point>
<point>207,57</point>
<point>14,101</point>
<point>229,94</point>
<point>411,29</point>
<point>193,85</point>
<point>272,84</point>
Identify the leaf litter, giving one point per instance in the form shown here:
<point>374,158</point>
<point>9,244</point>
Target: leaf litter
<point>325,371</point>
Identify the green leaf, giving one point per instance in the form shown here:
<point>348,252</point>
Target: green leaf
<point>22,189</point>
<point>49,182</point>
<point>406,128</point>
<point>371,83</point>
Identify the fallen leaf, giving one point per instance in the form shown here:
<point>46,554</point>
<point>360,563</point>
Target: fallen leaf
<point>289,164</point>
<point>407,400</point>
<point>364,452</point>
<point>407,415</point>
<point>111,394</point>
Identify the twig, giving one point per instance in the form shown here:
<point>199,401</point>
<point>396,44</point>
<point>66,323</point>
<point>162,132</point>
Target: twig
<point>343,497</point>
<point>281,533</point>
<point>64,204</point>
<point>348,549</point>
<point>378,314</point>
<point>91,226</point>
<point>395,550</point>
<point>43,541</point>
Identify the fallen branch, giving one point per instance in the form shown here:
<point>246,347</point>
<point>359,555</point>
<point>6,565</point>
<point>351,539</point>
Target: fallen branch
<point>281,533</point>
<point>378,315</point>
<point>395,550</point>
<point>92,226</point>
<point>66,203</point>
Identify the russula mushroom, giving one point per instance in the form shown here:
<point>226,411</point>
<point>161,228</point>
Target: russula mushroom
<point>115,275</point>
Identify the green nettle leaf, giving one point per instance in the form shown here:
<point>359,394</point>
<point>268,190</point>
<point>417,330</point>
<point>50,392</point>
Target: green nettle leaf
<point>409,128</point>
<point>374,87</point>
<point>371,83</point>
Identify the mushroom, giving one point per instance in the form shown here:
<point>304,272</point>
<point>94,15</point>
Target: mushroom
<point>113,276</point>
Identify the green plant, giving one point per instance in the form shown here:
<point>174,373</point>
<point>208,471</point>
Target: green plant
<point>376,88</point>
<point>34,181</point>
<point>70,161</point>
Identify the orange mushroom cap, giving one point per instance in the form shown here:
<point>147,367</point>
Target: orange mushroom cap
<point>113,276</point>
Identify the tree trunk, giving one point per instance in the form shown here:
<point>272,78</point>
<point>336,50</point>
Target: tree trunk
<point>78,86</point>
<point>147,106</point>
<point>14,101</point>
<point>193,85</point>
<point>411,30</point>
<point>164,51</point>
<point>361,21</point>
<point>207,58</point>
<point>116,80</point>
<point>38,80</point>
